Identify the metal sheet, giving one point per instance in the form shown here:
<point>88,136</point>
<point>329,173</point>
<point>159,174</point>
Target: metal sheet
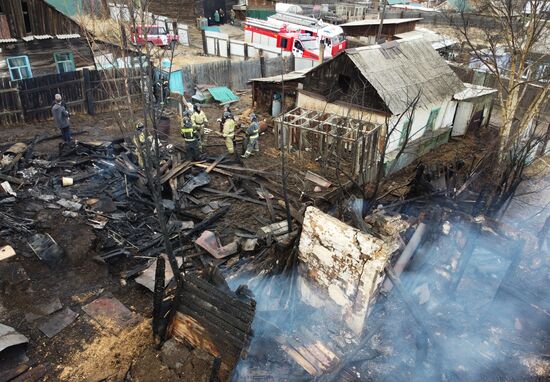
<point>223,94</point>
<point>9,337</point>
<point>55,323</point>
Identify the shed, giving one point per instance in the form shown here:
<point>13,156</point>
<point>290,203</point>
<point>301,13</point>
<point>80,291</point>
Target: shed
<point>369,27</point>
<point>266,89</point>
<point>475,104</point>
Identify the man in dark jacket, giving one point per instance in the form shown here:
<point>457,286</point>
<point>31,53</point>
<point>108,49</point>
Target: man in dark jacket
<point>61,117</point>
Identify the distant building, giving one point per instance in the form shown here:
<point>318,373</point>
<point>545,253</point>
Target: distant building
<point>369,27</point>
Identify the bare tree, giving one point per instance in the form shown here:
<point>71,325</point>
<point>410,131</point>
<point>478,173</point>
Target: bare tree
<point>133,65</point>
<point>513,51</point>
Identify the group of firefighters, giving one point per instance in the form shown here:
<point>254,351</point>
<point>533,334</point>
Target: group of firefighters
<point>194,132</point>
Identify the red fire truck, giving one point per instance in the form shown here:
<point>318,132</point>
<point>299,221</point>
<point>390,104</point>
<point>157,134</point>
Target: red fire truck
<point>298,34</point>
<point>294,42</point>
<point>153,34</point>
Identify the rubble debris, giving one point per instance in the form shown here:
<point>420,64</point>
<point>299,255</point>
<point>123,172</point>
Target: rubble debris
<point>55,323</point>
<point>10,337</point>
<point>202,179</point>
<point>210,242</point>
<point>147,278</point>
<point>110,313</point>
<point>46,249</point>
<point>70,205</point>
<point>6,252</point>
<point>217,321</point>
<point>12,372</point>
<point>33,374</point>
<point>7,188</point>
<point>44,308</point>
<point>13,275</point>
<point>345,263</point>
<point>66,181</point>
<point>273,230</point>
<point>407,253</point>
<point>313,356</point>
<point>317,179</point>
<point>174,354</point>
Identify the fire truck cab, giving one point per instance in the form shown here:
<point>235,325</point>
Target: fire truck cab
<point>332,36</point>
<point>292,39</point>
<point>301,45</point>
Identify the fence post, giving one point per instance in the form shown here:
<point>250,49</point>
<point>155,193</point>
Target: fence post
<point>204,46</point>
<point>245,48</point>
<point>19,103</point>
<point>262,62</point>
<point>88,94</point>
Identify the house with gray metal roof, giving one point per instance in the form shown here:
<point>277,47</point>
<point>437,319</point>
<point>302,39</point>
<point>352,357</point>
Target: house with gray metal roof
<point>404,86</point>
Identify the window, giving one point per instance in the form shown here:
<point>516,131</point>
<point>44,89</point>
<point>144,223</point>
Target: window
<point>284,43</point>
<point>431,119</point>
<point>26,17</point>
<point>64,62</point>
<point>405,131</point>
<point>19,67</point>
<point>154,31</point>
<point>298,45</point>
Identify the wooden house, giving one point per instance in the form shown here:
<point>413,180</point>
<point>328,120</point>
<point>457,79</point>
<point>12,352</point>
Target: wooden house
<point>38,38</point>
<point>404,87</point>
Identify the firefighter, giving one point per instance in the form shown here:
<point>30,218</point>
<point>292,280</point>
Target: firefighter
<point>161,90</point>
<point>226,110</point>
<point>190,136</point>
<point>229,132</point>
<point>199,123</point>
<point>138,140</point>
<point>253,134</point>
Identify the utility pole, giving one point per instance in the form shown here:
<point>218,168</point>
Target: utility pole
<point>379,34</point>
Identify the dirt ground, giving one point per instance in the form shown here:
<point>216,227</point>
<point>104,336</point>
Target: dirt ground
<point>86,351</point>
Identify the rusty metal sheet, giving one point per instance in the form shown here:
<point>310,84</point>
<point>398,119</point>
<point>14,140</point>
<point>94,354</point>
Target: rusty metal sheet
<point>110,313</point>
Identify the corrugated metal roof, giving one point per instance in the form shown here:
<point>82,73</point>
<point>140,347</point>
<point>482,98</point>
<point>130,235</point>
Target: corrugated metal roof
<point>400,70</point>
<point>7,40</point>
<point>437,40</point>
<point>37,37</point>
<point>296,75</point>
<point>67,7</point>
<point>473,91</point>
<point>67,36</point>
<point>223,94</point>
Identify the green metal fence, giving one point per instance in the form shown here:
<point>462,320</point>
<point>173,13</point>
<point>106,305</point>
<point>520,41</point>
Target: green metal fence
<point>259,13</point>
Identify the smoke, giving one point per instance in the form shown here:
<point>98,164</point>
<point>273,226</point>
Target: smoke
<point>484,319</point>
<point>484,325</point>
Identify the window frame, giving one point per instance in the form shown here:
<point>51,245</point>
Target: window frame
<point>18,68</point>
<point>64,62</point>
<point>432,118</point>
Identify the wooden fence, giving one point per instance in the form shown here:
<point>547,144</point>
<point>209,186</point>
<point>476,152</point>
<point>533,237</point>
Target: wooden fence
<point>86,91</point>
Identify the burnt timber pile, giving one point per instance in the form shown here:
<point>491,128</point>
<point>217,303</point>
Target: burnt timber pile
<point>422,288</point>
